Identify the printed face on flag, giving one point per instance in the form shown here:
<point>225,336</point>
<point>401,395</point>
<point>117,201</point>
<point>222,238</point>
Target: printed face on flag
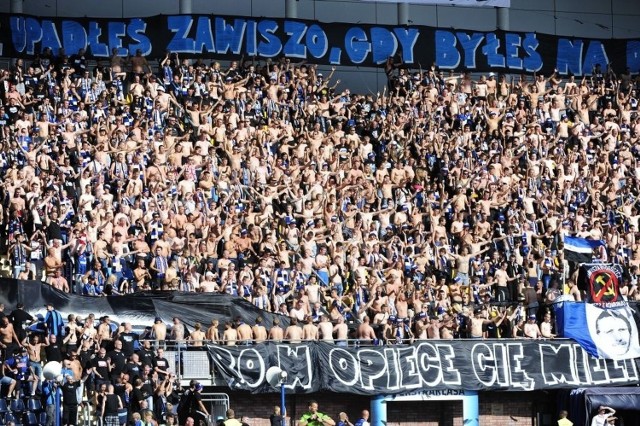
<point>613,331</point>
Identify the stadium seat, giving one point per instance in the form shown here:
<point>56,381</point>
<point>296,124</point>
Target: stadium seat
<point>11,417</point>
<point>3,407</point>
<point>34,404</point>
<point>43,418</point>
<point>31,419</point>
<point>17,406</point>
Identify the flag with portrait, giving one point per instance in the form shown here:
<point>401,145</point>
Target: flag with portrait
<point>610,333</point>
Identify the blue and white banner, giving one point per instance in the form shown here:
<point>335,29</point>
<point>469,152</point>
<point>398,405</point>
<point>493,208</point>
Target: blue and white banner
<point>604,333</point>
<point>580,249</point>
<point>260,38</point>
<point>464,3</point>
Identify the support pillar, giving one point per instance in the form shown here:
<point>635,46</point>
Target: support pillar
<point>185,7</point>
<point>502,18</point>
<point>470,408</point>
<point>16,6</point>
<point>379,411</point>
<point>291,9</point>
<point>403,13</point>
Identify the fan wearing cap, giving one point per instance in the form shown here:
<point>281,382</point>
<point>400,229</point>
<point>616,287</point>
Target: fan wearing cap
<point>493,119</point>
<point>491,84</point>
<point>191,405</point>
<point>18,367</point>
<point>531,329</point>
<point>208,284</point>
<point>388,330</point>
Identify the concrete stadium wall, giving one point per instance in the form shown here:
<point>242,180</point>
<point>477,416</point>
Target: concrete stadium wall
<point>496,408</point>
<point>580,18</point>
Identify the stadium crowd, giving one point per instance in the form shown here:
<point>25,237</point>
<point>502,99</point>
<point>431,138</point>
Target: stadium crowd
<point>434,208</point>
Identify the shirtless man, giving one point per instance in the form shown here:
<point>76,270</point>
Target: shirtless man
<point>502,280</point>
<point>8,338</point>
<point>309,330</point>
<point>381,316</point>
<point>341,331</point>
<point>141,275</point>
<point>379,301</point>
<point>259,331</point>
<point>276,333</point>
<point>104,333</point>
<point>34,348</point>
<point>59,282</point>
<point>531,329</point>
<point>74,364</point>
<point>178,331</point>
<point>477,325</point>
<point>139,63</point>
<point>402,307</point>
<point>159,330</point>
<point>293,333</point>
<point>546,327</point>
<point>245,334</point>
<point>326,329</point>
<point>433,328</point>
<point>230,335</point>
<point>365,332</point>
<point>51,264</point>
<point>197,335</point>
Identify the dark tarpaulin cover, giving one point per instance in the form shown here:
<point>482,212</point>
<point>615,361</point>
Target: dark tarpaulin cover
<point>584,403</point>
<point>139,309</point>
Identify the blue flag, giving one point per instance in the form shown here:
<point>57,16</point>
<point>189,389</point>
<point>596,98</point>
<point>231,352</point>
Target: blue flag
<point>580,250</point>
<point>602,333</point>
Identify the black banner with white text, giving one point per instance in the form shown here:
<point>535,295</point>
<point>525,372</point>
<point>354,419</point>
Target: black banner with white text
<point>226,37</point>
<point>521,365</point>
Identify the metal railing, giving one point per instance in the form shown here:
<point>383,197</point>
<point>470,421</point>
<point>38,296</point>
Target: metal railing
<point>218,404</point>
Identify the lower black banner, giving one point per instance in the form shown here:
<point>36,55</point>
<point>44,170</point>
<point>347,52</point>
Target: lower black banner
<point>458,364</point>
